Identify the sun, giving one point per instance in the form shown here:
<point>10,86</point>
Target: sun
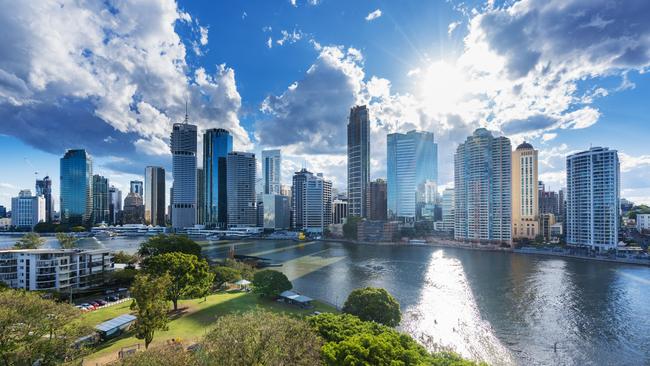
<point>441,86</point>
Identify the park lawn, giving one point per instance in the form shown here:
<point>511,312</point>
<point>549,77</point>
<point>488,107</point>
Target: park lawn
<point>197,319</point>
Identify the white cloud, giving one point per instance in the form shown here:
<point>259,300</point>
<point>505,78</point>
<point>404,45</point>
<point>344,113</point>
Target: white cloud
<point>269,42</point>
<point>630,163</point>
<point>452,26</point>
<point>204,35</point>
<point>373,15</point>
<point>289,37</point>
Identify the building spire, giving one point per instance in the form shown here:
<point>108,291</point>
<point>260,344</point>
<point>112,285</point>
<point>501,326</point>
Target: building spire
<point>186,117</point>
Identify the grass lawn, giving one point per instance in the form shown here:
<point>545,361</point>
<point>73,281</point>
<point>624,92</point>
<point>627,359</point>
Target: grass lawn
<point>197,319</point>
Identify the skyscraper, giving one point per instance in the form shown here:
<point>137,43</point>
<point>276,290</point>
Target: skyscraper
<point>200,196</point>
<point>154,196</point>
<point>217,143</point>
<point>378,198</point>
<point>311,202</point>
<point>448,199</point>
<point>183,148</point>
<point>593,195</point>
<point>271,171</point>
<point>525,206</point>
<point>76,187</point>
<point>133,212</point>
<point>242,200</point>
<point>114,204</point>
<point>44,188</point>
<point>482,188</point>
<point>412,159</point>
<point>358,161</point>
<point>101,211</point>
<point>27,210</point>
<point>137,187</point>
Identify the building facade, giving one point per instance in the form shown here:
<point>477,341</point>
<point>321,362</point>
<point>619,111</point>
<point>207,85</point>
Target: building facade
<point>137,186</point>
<point>241,197</point>
<point>339,210</point>
<point>154,196</point>
<point>448,207</point>
<point>482,189</point>
<point>593,194</point>
<point>276,212</point>
<point>133,212</point>
<point>412,159</point>
<point>642,222</point>
<point>44,188</point>
<point>525,205</point>
<point>183,149</point>
<point>76,169</point>
<point>101,209</point>
<point>114,204</point>
<point>217,143</point>
<point>311,202</point>
<point>378,196</point>
<point>271,171</point>
<point>546,221</point>
<point>54,269</point>
<point>200,196</point>
<point>27,210</point>
<point>358,161</point>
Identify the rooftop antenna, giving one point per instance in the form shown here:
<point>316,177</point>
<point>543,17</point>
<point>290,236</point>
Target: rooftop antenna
<point>186,117</point>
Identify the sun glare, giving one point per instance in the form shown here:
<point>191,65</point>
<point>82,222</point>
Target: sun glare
<point>441,86</point>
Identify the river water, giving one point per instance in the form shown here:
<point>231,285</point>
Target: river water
<point>503,308</point>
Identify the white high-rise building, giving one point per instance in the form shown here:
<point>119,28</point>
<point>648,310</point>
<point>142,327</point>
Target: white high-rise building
<point>482,188</point>
<point>593,195</point>
<point>311,202</point>
<point>242,200</point>
<point>27,210</point>
<point>183,148</point>
<point>448,209</point>
<point>271,171</point>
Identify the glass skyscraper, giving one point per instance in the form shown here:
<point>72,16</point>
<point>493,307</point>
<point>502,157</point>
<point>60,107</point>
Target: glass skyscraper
<point>154,196</point>
<point>358,161</point>
<point>593,198</point>
<point>271,173</point>
<point>242,201</point>
<point>183,149</point>
<point>412,160</point>
<point>76,187</point>
<point>101,211</point>
<point>217,143</point>
<point>44,188</point>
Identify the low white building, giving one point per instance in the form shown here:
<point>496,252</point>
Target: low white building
<point>54,269</point>
<point>642,222</point>
<point>27,210</point>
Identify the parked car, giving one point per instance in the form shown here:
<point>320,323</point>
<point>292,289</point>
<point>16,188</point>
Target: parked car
<point>112,298</point>
<point>101,302</point>
<point>88,306</point>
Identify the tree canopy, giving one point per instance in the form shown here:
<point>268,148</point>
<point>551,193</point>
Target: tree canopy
<point>67,241</point>
<point>191,276</point>
<point>270,283</point>
<point>223,275</point>
<point>29,241</point>
<point>373,304</point>
<point>161,244</point>
<point>33,328</point>
<point>350,227</point>
<point>149,306</point>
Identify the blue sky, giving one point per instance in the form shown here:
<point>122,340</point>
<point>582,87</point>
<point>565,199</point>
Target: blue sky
<point>562,74</point>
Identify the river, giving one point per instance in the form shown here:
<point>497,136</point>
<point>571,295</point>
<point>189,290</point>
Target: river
<point>503,308</point>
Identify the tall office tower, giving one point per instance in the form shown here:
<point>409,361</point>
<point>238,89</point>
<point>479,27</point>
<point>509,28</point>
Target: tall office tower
<point>275,212</point>
<point>76,187</point>
<point>114,204</point>
<point>133,212</point>
<point>339,210</point>
<point>217,143</point>
<point>358,161</point>
<point>561,196</point>
<point>412,159</point>
<point>448,210</point>
<point>525,205</point>
<point>27,210</point>
<point>154,195</point>
<point>593,195</point>
<point>311,202</point>
<point>482,187</point>
<point>377,198</point>
<point>241,198</point>
<point>200,196</point>
<point>183,148</point>
<point>271,171</point>
<point>3,212</point>
<point>137,187</point>
<point>44,188</point>
<point>101,210</point>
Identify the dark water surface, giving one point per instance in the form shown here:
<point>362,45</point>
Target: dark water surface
<point>499,307</point>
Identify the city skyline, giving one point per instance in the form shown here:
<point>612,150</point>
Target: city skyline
<point>421,85</point>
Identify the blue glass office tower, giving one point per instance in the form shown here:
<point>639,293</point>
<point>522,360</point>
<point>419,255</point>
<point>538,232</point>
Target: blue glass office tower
<point>217,143</point>
<point>412,160</point>
<point>76,187</point>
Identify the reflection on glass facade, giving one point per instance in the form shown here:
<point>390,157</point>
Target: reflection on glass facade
<point>76,187</point>
<point>412,160</point>
<point>217,143</point>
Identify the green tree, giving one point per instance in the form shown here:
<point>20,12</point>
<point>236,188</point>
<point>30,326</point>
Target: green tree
<point>260,338</point>
<point>270,283</point>
<point>247,271</point>
<point>123,277</point>
<point>161,244</point>
<point>149,306</point>
<point>67,241</point>
<point>350,227</point>
<point>161,356</point>
<point>191,276</point>
<point>33,328</point>
<point>78,229</point>
<point>373,304</point>
<point>223,275</point>
<point>44,227</point>
<point>124,258</point>
<point>29,241</point>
